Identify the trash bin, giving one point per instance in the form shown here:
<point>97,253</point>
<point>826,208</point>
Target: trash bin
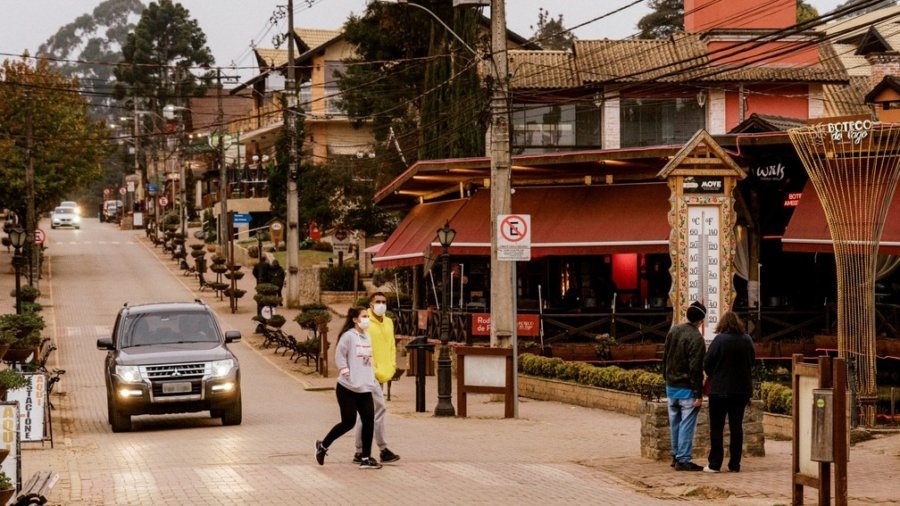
<point>421,362</point>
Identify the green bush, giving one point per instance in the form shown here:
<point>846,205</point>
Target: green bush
<point>321,246</point>
<point>616,378</point>
<point>776,398</point>
<point>339,279</point>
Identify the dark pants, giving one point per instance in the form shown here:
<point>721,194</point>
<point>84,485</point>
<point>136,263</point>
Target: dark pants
<point>352,403</point>
<point>731,406</point>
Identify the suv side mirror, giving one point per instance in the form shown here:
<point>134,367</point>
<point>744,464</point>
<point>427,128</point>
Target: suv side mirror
<point>232,336</point>
<point>105,343</point>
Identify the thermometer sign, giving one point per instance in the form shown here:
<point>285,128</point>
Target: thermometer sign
<point>704,262</point>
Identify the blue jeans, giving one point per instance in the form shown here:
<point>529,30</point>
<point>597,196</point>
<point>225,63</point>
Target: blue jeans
<point>682,421</point>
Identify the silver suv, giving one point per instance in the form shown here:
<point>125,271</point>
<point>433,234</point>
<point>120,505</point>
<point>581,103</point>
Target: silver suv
<point>170,358</point>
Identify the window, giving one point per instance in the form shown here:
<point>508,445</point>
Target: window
<point>659,121</point>
<point>332,90</point>
<point>548,128</point>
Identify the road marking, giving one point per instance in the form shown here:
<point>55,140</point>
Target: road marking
<point>87,331</point>
<point>475,473</point>
<point>224,480</point>
<point>306,477</point>
<point>133,485</point>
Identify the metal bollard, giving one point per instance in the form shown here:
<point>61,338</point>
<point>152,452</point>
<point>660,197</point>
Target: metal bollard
<point>421,347</point>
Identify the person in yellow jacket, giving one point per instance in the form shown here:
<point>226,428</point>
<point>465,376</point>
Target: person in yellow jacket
<point>384,355</point>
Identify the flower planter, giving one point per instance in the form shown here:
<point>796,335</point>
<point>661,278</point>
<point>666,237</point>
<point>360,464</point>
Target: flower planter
<point>6,495</point>
<point>574,351</point>
<point>3,349</point>
<point>18,355</point>
<point>641,351</point>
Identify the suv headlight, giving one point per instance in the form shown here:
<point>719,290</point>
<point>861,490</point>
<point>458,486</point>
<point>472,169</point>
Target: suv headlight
<point>76,219</point>
<point>219,368</point>
<point>129,373</point>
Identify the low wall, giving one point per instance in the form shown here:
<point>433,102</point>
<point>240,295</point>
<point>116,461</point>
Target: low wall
<point>654,415</point>
<point>778,426</point>
<point>656,443</point>
<point>581,395</point>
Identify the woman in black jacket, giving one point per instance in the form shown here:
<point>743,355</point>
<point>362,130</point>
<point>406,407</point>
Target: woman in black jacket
<point>729,364</point>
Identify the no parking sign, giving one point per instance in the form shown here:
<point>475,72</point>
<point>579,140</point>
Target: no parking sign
<point>514,237</point>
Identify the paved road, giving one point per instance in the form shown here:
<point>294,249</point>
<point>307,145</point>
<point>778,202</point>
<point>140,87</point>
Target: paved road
<point>192,459</point>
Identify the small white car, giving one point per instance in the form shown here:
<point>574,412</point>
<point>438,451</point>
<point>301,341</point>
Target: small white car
<point>72,204</point>
<point>65,217</point>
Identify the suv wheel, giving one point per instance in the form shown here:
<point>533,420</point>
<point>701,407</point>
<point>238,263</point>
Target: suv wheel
<point>120,422</point>
<point>232,414</point>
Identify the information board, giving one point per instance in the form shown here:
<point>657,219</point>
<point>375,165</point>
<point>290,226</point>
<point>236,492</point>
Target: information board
<point>32,406</point>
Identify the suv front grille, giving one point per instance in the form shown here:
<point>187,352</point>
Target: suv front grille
<point>174,371</point>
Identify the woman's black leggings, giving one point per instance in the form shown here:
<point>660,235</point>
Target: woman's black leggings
<point>352,403</point>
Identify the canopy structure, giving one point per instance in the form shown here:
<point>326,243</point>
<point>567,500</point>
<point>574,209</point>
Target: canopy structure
<point>583,220</point>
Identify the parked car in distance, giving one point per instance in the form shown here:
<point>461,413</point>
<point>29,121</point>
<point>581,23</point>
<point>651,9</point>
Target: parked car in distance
<point>71,203</point>
<point>65,217</point>
<point>111,211</point>
<point>170,358</point>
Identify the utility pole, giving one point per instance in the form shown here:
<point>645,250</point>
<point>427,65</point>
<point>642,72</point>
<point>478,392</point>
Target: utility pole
<point>30,225</point>
<point>502,295</point>
<point>223,172</point>
<point>137,147</point>
<point>293,207</point>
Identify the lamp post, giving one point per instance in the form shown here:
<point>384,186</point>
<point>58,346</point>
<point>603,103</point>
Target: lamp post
<point>444,407</point>
<point>17,237</point>
<point>433,15</point>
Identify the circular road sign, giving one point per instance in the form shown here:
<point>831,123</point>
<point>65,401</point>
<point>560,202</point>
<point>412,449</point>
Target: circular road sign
<point>513,228</point>
<point>163,202</point>
<point>122,191</point>
<point>39,236</point>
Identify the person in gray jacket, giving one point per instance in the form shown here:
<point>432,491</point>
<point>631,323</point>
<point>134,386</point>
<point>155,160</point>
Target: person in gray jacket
<point>356,382</point>
<point>683,373</point>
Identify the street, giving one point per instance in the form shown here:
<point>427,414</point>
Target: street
<point>192,459</point>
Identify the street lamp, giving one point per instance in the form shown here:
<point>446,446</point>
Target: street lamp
<point>444,407</point>
<point>17,238</point>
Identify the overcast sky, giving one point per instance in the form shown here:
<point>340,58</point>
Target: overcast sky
<point>231,25</point>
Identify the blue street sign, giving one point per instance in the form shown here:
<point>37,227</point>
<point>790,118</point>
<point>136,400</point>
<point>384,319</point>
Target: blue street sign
<point>152,189</point>
<point>241,218</point>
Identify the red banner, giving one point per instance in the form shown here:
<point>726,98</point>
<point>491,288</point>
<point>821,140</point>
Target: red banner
<point>528,324</point>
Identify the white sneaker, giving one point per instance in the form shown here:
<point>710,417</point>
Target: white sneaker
<point>708,469</point>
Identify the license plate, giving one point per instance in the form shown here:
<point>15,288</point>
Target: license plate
<point>183,387</point>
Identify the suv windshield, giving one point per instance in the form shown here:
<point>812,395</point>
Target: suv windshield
<point>149,329</point>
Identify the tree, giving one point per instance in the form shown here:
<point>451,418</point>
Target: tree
<point>67,145</point>
<point>158,57</point>
<point>423,85</point>
<point>806,12</point>
<point>551,33</point>
<point>88,48</point>
<point>667,18</point>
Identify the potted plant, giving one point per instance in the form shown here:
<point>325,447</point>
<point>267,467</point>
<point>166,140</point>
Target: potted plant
<point>7,489</point>
<point>11,379</point>
<point>27,293</point>
<point>23,332</point>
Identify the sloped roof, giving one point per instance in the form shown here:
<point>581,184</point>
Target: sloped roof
<point>270,58</point>
<point>204,110</point>
<point>682,58</point>
<point>542,69</point>
<point>767,123</point>
<point>313,38</point>
<point>889,82</point>
<point>668,60</point>
<point>856,65</point>
<point>847,99</point>
<point>853,29</point>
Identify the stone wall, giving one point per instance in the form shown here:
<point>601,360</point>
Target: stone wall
<point>309,284</point>
<point>656,440</point>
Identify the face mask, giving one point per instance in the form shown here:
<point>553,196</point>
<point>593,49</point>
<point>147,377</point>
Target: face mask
<point>364,323</point>
<point>380,308</point>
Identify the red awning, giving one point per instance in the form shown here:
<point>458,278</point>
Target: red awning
<point>413,236</point>
<point>583,220</point>
<point>808,230</point>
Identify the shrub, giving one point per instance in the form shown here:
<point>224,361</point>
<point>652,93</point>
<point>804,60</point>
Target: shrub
<point>776,398</point>
<point>321,246</point>
<point>635,381</point>
<point>339,279</point>
<point>11,379</point>
<point>27,293</point>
